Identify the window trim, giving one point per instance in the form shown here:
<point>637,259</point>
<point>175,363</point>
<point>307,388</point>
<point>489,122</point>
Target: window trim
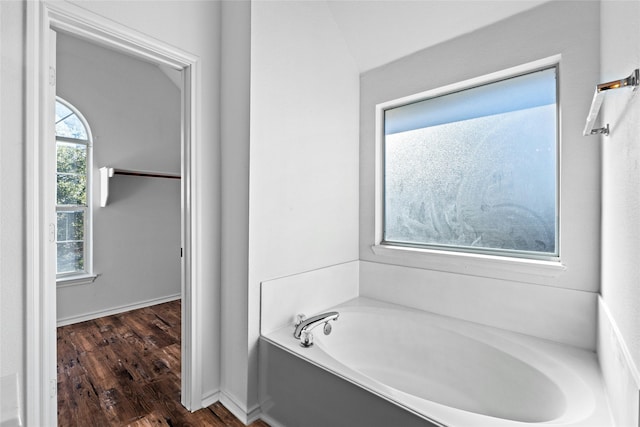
<point>76,279</point>
<point>87,276</point>
<point>488,264</point>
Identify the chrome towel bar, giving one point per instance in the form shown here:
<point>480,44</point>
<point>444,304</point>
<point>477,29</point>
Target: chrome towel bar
<point>633,81</point>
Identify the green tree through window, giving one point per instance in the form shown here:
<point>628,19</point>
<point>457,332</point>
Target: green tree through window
<point>72,191</point>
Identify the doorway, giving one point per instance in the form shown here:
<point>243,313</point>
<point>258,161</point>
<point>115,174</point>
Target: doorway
<point>118,239</point>
<point>44,19</point>
<point>123,230</point>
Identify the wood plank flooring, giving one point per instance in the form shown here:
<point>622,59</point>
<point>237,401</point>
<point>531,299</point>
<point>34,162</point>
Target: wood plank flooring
<point>124,370</point>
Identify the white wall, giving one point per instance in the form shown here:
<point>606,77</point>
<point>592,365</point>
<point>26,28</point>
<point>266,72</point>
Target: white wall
<point>619,343</point>
<point>133,110</point>
<point>12,200</point>
<point>304,160</point>
<point>569,29</point>
<point>371,28</point>
<point>303,211</point>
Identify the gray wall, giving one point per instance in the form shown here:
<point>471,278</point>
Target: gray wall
<point>235,92</point>
<point>569,29</point>
<point>133,110</point>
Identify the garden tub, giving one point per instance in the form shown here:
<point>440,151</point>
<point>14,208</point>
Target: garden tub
<point>442,371</point>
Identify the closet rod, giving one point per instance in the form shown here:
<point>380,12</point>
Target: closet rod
<point>145,173</point>
<point>106,173</point>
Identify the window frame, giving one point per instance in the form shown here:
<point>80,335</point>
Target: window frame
<point>445,258</point>
<point>87,275</point>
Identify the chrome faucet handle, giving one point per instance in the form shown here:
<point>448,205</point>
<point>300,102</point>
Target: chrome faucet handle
<point>306,339</point>
<point>304,326</point>
<point>299,319</point>
<point>327,328</point>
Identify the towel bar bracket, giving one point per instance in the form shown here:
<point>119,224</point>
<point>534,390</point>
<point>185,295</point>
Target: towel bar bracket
<point>601,131</point>
<point>633,81</point>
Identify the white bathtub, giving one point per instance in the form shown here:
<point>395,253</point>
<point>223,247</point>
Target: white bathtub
<point>451,372</point>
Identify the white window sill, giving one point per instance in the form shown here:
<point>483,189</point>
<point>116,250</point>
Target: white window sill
<point>498,267</point>
<point>81,279</point>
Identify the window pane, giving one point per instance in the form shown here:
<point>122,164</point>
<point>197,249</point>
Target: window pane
<point>70,257</point>
<point>518,93</point>
<point>70,226</point>
<point>72,174</point>
<point>71,189</point>
<point>71,158</point>
<point>70,241</point>
<point>69,124</point>
<point>62,111</point>
<point>487,182</point>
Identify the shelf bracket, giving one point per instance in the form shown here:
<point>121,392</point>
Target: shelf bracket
<point>105,174</point>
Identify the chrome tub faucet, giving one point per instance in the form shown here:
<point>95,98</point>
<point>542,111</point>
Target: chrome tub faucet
<point>304,326</point>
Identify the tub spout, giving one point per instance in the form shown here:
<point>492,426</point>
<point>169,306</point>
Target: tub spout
<point>304,326</point>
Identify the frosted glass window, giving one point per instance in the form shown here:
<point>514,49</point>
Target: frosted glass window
<point>476,170</point>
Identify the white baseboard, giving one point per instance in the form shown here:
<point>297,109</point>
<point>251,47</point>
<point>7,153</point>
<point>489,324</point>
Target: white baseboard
<point>620,374</point>
<point>210,399</point>
<point>254,414</point>
<point>246,416</point>
<point>115,310</point>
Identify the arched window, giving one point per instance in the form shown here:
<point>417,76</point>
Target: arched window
<point>73,193</point>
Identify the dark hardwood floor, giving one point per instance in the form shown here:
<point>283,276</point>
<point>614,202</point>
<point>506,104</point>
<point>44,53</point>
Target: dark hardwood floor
<point>124,370</point>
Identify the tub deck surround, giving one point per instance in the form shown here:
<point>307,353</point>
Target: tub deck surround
<point>453,372</point>
<point>308,292</point>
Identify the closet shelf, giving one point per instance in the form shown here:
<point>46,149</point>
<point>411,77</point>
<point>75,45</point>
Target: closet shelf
<point>633,81</point>
<point>106,173</point>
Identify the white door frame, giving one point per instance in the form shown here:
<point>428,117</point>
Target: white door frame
<point>42,16</point>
